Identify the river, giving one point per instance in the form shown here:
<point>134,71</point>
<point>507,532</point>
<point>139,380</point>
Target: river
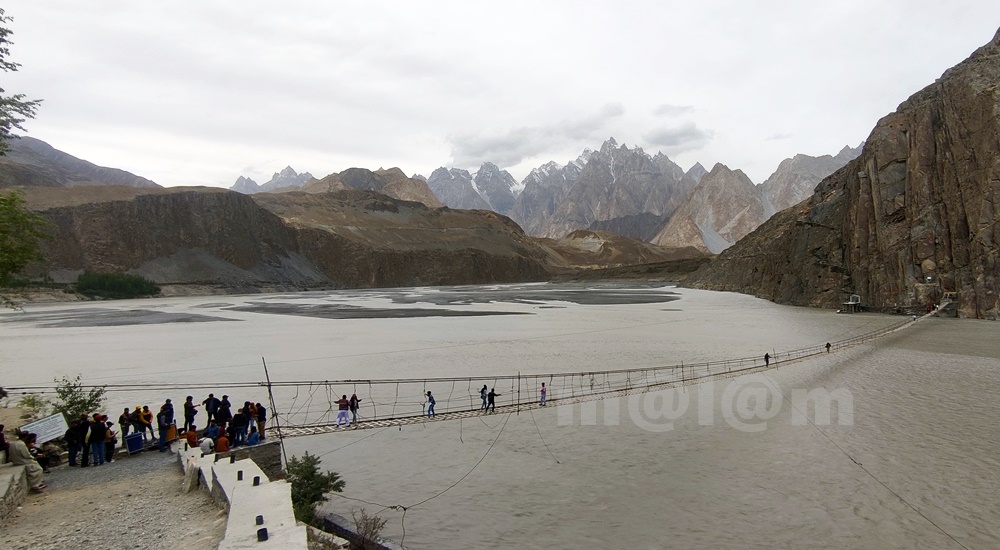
<point>891,444</point>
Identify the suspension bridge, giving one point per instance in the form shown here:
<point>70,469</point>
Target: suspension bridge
<point>313,408</point>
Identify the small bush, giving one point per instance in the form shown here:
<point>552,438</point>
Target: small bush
<point>73,400</point>
<point>115,285</point>
<point>369,529</point>
<point>34,404</point>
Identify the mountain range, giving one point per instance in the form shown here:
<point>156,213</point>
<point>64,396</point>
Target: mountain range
<point>627,191</point>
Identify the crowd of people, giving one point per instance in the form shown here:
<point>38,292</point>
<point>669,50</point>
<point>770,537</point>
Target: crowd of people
<point>92,439</point>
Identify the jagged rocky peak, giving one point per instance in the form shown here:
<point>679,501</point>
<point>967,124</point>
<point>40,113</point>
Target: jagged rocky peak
<point>286,178</point>
<point>723,208</point>
<point>696,172</point>
<point>496,186</point>
<point>245,185</point>
<point>609,145</point>
<point>420,177</point>
<point>456,189</point>
<point>797,177</point>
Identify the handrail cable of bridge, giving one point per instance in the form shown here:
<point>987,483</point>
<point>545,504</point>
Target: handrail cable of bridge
<point>309,406</point>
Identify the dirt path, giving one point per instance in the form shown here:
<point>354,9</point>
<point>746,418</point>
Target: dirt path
<point>133,502</point>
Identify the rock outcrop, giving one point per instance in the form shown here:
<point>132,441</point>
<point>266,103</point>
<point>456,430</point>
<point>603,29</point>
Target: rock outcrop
<point>350,238</point>
<point>913,217</point>
<point>392,182</point>
<point>32,162</point>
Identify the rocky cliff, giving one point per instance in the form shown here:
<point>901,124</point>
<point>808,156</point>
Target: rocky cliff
<point>913,217</point>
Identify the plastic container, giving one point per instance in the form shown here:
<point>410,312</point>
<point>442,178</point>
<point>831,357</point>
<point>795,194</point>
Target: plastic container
<point>133,443</point>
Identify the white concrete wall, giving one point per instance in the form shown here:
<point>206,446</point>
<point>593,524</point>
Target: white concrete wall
<point>244,501</point>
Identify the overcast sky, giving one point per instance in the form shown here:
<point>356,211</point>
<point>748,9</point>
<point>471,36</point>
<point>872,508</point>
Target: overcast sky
<point>199,93</point>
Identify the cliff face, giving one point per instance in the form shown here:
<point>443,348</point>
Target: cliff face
<point>914,216</point>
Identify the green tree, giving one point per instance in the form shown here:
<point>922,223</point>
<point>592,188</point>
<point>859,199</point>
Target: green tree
<point>21,234</point>
<point>310,486</point>
<point>73,400</point>
<point>14,109</point>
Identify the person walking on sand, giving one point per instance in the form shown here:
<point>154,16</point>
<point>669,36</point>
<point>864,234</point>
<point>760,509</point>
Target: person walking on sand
<point>544,391</point>
<point>767,359</point>
<point>491,400</point>
<point>342,406</point>
<point>430,404</point>
<point>482,394</point>
<point>354,406</point>
<point>828,347</point>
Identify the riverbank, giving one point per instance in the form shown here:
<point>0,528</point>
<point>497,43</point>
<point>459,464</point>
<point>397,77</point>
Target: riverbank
<point>133,502</point>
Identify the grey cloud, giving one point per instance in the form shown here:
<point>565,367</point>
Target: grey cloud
<point>675,139</point>
<point>778,136</point>
<point>511,147</point>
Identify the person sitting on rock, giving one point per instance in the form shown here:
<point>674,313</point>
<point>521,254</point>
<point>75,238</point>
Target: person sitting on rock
<point>42,458</point>
<point>21,456</point>
<point>4,446</point>
<point>192,436</point>
<point>212,431</point>
<point>207,446</point>
<point>222,444</point>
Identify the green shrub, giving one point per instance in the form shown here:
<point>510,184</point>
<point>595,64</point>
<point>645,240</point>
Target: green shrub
<point>309,486</point>
<point>115,285</point>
